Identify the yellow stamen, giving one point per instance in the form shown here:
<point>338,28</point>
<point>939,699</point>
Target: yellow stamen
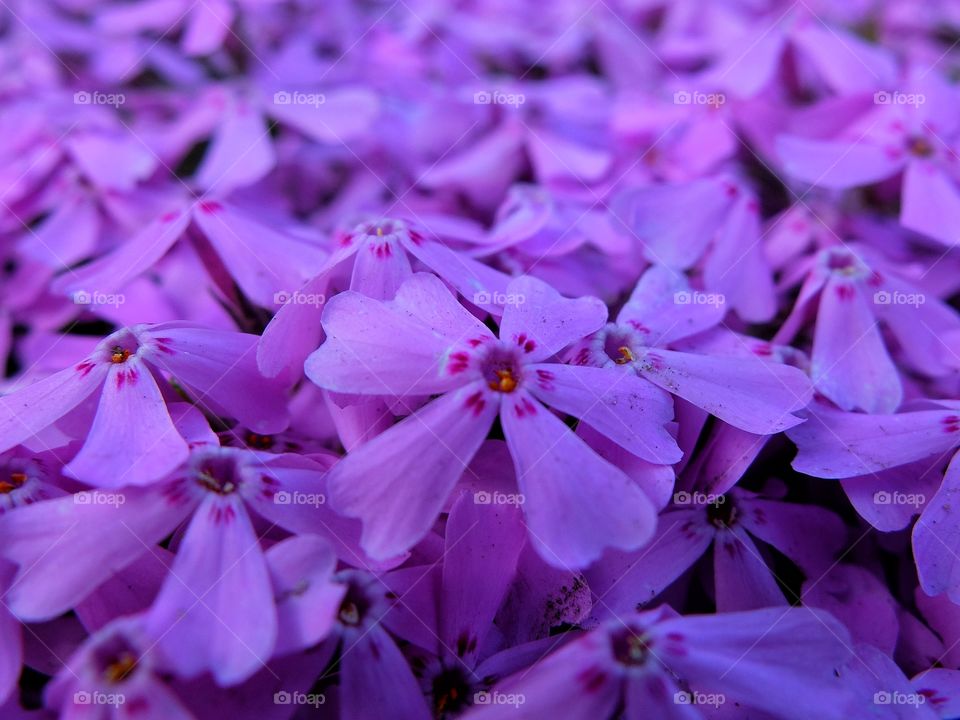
<point>121,668</point>
<point>626,355</point>
<point>349,613</point>
<point>505,383</point>
<point>379,232</point>
<point>119,355</point>
<point>16,480</point>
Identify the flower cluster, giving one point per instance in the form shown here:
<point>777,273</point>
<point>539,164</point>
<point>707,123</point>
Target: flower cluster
<point>488,360</point>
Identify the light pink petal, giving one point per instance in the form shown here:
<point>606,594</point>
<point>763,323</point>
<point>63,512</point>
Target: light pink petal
<point>614,401</point>
<point>858,599</point>
<point>923,325</point>
<point>301,569</point>
<point>741,655</point>
<point>137,254</point>
<point>27,410</point>
<point>752,395</point>
<point>576,503</point>
<point>750,61</point>
<point>554,157</point>
<point>343,115</point>
<point>215,612</point>
<point>11,644</point>
<point>577,682</point>
<point>931,203</point>
<point>847,63</point>
<point>265,277</point>
<point>743,580</point>
<point>935,539</point>
<point>656,695</point>
<point>550,320</point>
<point>293,333</point>
<point>786,526</point>
<point>428,300</point>
<point>379,269</point>
<point>219,370</point>
<point>629,580</point>
<point>371,350</point>
<point>208,25</point>
<point>240,153</point>
<point>850,363</point>
<point>736,267</point>
<point>111,161</point>
<point>723,459</point>
<point>941,687</point>
<point>834,444</point>
<point>293,494</point>
<point>68,546</point>
<point>478,283</point>
<point>676,222</point>
<point>911,485</point>
<point>660,309</point>
<point>435,445</point>
<point>482,547</point>
<point>133,440</point>
<point>376,682</point>
<point>836,164</point>
<point>67,235</point>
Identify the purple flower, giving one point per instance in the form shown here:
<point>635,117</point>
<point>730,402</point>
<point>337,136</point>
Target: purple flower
<point>423,342</point>
<point>656,662</point>
<point>133,440</point>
